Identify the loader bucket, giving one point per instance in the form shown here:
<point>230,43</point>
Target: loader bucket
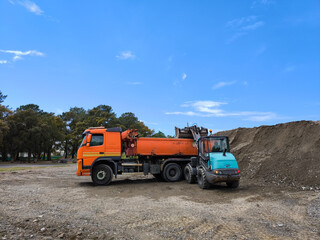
<point>189,132</point>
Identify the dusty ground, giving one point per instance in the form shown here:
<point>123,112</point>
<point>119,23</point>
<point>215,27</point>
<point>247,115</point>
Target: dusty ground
<point>51,203</point>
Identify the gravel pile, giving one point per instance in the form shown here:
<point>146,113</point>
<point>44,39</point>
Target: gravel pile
<point>280,154</point>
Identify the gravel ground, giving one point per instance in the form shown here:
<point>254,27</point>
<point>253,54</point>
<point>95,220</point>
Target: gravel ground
<point>53,203</point>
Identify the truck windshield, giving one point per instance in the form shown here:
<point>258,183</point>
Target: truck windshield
<point>215,145</point>
<point>83,140</point>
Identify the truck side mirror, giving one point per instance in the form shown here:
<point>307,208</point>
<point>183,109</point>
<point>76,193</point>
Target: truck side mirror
<point>88,140</point>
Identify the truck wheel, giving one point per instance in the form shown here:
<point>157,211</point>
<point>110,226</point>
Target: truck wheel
<point>188,174</point>
<point>233,184</point>
<point>202,179</point>
<point>102,174</point>
<point>172,172</point>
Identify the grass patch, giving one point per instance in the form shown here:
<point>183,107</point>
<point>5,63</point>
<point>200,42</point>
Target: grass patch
<point>12,169</point>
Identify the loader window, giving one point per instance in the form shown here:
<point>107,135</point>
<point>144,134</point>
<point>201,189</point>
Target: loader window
<point>219,145</point>
<point>96,140</point>
<point>215,145</point>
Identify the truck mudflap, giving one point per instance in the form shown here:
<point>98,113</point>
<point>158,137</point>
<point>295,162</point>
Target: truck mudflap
<point>212,177</point>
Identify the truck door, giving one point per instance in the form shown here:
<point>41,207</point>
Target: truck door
<point>95,149</point>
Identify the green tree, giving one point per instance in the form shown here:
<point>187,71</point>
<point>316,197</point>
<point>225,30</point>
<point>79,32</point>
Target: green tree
<point>102,115</point>
<point>2,97</point>
<point>4,127</point>
<point>129,121</point>
<point>75,122</point>
<point>159,134</point>
<point>52,134</point>
<point>27,125</point>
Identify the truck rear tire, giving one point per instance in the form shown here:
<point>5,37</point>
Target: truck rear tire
<point>102,174</point>
<point>188,174</point>
<point>172,172</point>
<point>202,179</point>
<point>233,184</point>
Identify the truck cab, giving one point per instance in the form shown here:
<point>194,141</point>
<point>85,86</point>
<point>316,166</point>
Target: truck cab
<point>99,145</point>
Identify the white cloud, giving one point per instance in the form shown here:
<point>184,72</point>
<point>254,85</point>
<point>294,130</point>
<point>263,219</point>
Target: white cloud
<point>263,117</point>
<point>126,55</point>
<point>253,26</point>
<point>134,83</point>
<point>223,84</point>
<point>213,109</point>
<point>20,53</point>
<point>31,7</point>
<point>3,61</point>
<point>17,55</point>
<point>184,76</point>
<point>242,26</point>
<point>190,113</point>
<point>240,21</point>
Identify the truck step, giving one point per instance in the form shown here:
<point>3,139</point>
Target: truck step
<point>131,164</point>
<point>132,173</point>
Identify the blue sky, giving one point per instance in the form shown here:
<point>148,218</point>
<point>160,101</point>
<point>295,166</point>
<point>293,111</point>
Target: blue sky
<point>220,64</point>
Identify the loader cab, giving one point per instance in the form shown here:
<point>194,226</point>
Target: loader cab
<point>215,151</point>
<point>213,144</point>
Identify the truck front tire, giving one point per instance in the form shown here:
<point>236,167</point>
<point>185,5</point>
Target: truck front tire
<point>172,172</point>
<point>202,179</point>
<point>101,174</point>
<point>188,174</point>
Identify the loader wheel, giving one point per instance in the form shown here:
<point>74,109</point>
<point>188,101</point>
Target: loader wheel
<point>202,179</point>
<point>172,172</point>
<point>233,184</point>
<point>102,174</point>
<point>188,174</point>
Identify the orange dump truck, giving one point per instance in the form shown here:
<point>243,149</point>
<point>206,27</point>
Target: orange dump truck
<point>99,155</point>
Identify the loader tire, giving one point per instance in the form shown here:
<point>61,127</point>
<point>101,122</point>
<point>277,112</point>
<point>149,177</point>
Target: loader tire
<point>102,174</point>
<point>172,172</point>
<point>188,174</point>
<point>233,184</point>
<point>202,179</point>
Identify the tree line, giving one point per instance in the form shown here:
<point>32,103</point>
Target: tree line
<point>40,134</point>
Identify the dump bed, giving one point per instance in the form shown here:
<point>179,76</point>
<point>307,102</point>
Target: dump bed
<point>165,147</point>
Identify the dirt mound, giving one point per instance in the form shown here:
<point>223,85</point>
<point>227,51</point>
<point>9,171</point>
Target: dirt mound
<point>286,153</point>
